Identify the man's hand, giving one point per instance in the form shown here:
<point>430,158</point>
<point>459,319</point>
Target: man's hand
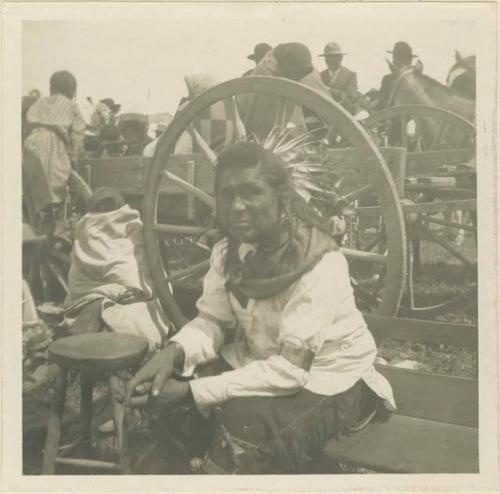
<point>157,371</point>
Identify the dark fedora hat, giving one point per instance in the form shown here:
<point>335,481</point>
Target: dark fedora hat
<point>115,108</point>
<point>402,50</point>
<point>259,51</point>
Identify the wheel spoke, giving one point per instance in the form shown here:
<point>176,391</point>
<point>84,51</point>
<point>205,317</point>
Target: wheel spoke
<point>445,245</point>
<point>168,229</point>
<point>195,269</point>
<point>438,135</point>
<point>458,226</point>
<point>360,255</point>
<point>409,275</point>
<point>192,189</point>
<point>239,132</point>
<point>355,194</point>
<point>283,111</point>
<point>207,150</point>
<point>404,134</point>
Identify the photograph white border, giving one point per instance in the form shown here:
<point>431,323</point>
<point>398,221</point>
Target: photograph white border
<point>11,478</point>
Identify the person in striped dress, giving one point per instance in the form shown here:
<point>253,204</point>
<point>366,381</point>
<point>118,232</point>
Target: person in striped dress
<point>55,136</point>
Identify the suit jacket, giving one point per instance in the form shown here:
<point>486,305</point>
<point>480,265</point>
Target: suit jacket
<point>344,88</point>
<point>344,79</point>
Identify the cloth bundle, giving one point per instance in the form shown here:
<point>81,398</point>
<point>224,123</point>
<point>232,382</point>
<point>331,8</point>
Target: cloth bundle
<point>108,268</point>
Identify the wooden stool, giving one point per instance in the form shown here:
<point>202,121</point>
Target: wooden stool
<point>89,354</point>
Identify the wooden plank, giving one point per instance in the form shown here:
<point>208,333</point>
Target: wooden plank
<point>428,162</point>
<point>449,399</point>
<point>128,173</point>
<point>410,445</point>
<point>420,331</point>
<point>423,207</point>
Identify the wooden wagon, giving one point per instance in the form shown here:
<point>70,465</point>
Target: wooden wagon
<point>175,194</point>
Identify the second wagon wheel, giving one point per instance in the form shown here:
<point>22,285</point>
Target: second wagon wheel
<point>178,243</point>
<point>46,253</point>
<point>440,205</point>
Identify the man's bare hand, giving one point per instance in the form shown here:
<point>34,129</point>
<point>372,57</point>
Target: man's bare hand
<point>155,372</point>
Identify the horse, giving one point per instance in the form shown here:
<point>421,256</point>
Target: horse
<point>411,86</point>
<point>461,77</point>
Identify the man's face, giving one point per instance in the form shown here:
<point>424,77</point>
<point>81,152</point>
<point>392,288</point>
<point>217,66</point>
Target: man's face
<point>247,204</point>
<point>333,61</point>
<point>399,62</point>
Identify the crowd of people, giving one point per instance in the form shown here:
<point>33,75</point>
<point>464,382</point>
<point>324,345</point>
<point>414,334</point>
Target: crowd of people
<point>278,359</point>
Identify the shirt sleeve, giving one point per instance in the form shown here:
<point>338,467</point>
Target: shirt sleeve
<point>202,337</point>
<point>305,320</point>
<point>274,376</point>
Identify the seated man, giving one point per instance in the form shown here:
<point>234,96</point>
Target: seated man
<point>402,57</point>
<point>343,83</point>
<point>300,369</point>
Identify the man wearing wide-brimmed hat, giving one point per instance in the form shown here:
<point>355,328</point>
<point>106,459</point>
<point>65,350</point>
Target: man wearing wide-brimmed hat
<point>402,57</point>
<point>402,54</point>
<point>342,82</point>
<point>259,52</point>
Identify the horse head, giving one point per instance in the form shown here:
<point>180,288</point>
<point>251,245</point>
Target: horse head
<point>462,76</point>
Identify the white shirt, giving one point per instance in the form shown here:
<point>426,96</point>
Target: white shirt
<point>316,313</point>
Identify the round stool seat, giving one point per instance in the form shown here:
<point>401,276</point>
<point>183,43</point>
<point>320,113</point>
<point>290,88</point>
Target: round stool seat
<point>98,352</point>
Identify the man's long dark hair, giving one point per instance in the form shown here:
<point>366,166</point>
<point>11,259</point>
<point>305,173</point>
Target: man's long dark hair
<point>292,206</point>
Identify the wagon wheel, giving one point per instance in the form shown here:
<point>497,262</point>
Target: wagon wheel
<point>46,254</point>
<point>188,241</point>
<point>442,237</point>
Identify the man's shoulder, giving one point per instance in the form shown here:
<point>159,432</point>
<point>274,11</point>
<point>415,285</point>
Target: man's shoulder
<point>347,73</point>
<point>347,70</point>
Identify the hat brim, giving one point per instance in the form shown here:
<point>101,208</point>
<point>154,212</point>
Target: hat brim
<point>252,57</point>
<point>392,53</point>
<point>331,54</point>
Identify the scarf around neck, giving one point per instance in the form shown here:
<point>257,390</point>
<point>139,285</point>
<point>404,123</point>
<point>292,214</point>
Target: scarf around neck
<point>274,268</point>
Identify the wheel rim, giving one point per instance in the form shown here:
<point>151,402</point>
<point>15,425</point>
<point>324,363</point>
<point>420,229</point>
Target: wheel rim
<point>329,112</point>
<point>415,303</point>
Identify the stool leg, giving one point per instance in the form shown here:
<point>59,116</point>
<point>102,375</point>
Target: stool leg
<point>86,395</point>
<point>119,419</point>
<point>54,423</point>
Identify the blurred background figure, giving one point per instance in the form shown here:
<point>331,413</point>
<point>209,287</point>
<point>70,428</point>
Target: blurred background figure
<point>343,83</point>
<point>102,137</point>
<point>134,131</point>
<point>291,61</point>
<point>55,128</point>
<point>402,58</point>
<point>260,50</point>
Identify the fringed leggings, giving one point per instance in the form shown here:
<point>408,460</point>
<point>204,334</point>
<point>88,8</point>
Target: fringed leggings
<point>265,435</point>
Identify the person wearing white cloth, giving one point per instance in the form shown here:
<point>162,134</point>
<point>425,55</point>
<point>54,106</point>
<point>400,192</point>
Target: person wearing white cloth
<point>300,367</point>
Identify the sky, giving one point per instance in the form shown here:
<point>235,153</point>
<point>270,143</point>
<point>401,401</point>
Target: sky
<point>141,62</point>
